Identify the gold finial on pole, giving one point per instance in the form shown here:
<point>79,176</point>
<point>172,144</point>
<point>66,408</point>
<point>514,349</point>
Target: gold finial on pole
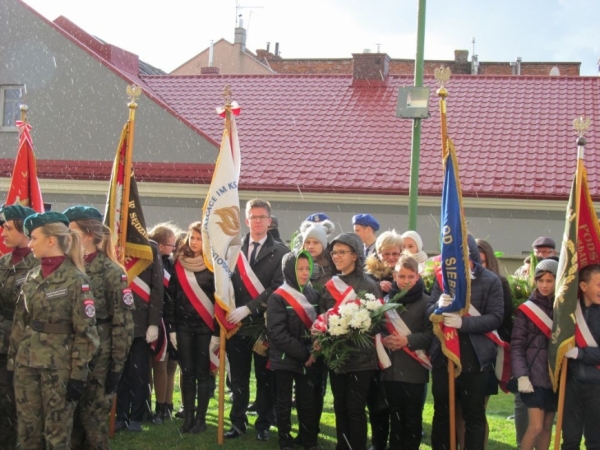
<point>227,95</point>
<point>133,92</point>
<point>442,75</point>
<point>24,108</point>
<point>581,124</point>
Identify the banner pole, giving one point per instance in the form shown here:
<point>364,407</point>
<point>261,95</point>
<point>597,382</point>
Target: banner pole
<point>452,405</point>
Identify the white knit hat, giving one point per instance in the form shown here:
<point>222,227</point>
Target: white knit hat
<point>316,231</point>
<point>415,237</point>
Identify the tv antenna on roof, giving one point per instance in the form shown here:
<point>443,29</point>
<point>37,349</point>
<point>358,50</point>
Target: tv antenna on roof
<point>238,14</point>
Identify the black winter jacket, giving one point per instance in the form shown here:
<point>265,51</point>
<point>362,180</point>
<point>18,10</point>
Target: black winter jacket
<point>181,314</point>
<point>487,298</point>
<point>289,339</point>
<point>150,313</point>
<point>585,368</point>
<point>362,359</point>
<point>267,268</point>
<point>529,346</point>
<point>404,367</point>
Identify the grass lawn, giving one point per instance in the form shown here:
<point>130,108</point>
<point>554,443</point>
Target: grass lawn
<point>502,433</point>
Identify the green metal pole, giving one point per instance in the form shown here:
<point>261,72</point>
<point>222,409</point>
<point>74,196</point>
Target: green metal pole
<point>413,192</point>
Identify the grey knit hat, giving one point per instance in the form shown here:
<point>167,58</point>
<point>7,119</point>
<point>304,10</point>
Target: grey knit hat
<point>546,265</point>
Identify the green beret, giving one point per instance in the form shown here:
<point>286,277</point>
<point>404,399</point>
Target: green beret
<point>13,212</point>
<point>82,212</point>
<point>39,220</point>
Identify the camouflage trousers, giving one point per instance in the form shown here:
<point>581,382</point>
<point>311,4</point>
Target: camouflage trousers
<point>8,411</point>
<point>45,417</point>
<point>90,423</point>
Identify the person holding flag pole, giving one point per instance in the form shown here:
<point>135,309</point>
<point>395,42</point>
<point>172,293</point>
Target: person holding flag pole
<point>572,339</point>
<point>470,307</point>
<point>125,218</point>
<point>221,240</point>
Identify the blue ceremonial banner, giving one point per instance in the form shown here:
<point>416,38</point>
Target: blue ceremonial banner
<point>456,272</point>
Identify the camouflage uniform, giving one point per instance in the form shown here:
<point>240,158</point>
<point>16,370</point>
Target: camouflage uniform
<point>12,277</point>
<point>114,303</point>
<point>53,340</point>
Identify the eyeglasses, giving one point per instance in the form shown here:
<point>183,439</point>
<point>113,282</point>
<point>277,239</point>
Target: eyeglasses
<point>168,245</point>
<point>258,218</point>
<point>341,253</point>
<point>387,255</point>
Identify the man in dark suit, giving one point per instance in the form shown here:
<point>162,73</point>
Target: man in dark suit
<point>260,275</point>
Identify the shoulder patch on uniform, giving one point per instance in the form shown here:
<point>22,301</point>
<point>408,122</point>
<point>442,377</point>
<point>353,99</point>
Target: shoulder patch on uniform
<point>124,277</point>
<point>127,297</point>
<point>85,288</point>
<point>89,308</point>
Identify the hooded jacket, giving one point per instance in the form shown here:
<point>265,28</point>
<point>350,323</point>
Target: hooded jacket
<point>289,339</point>
<point>529,346</point>
<point>404,367</point>
<point>363,359</point>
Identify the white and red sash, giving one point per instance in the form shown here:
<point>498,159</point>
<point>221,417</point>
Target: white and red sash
<point>343,293</point>
<point>214,351</point>
<point>395,324</point>
<point>249,278</point>
<point>159,346</point>
<point>166,278</point>
<point>583,335</point>
<point>502,368</point>
<point>141,288</point>
<point>538,317</point>
<point>197,297</point>
<point>299,304</point>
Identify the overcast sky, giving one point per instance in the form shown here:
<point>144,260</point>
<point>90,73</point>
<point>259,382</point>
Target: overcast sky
<point>168,33</point>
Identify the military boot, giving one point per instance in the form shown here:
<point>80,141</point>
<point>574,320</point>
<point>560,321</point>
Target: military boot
<point>159,415</point>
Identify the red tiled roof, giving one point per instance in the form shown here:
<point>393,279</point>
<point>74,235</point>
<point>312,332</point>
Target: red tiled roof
<point>319,133</point>
<point>100,170</point>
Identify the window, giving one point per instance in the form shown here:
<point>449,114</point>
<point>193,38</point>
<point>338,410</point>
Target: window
<point>10,97</point>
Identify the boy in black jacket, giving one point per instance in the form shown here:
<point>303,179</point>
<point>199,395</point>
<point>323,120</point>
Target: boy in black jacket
<point>582,397</point>
<point>291,310</point>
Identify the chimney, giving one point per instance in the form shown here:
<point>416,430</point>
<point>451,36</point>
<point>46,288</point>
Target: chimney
<point>268,47</point>
<point>209,71</point>
<point>461,55</point>
<point>211,53</point>
<point>240,37</point>
<point>276,48</point>
<point>370,69</point>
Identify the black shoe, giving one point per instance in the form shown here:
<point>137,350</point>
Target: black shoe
<point>159,416</point>
<point>198,427</point>
<point>168,411</point>
<point>233,433</point>
<point>120,425</point>
<point>263,435</point>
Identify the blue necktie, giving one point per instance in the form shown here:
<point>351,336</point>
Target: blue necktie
<point>253,254</point>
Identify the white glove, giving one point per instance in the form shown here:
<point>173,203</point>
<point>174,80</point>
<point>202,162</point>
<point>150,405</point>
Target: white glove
<point>445,300</point>
<point>573,353</point>
<point>151,334</point>
<point>452,320</point>
<point>238,314</point>
<point>173,339</point>
<point>525,385</point>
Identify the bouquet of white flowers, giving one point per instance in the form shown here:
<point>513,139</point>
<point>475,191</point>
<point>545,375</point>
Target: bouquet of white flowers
<point>349,327</point>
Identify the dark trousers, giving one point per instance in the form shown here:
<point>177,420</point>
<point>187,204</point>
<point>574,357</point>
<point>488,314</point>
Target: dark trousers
<point>134,390</point>
<point>379,413</point>
<point>305,406</point>
<point>239,351</point>
<point>581,415</point>
<point>194,361</point>
<point>349,402</point>
<point>406,400</point>
<point>470,392</point>
<point>8,409</point>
